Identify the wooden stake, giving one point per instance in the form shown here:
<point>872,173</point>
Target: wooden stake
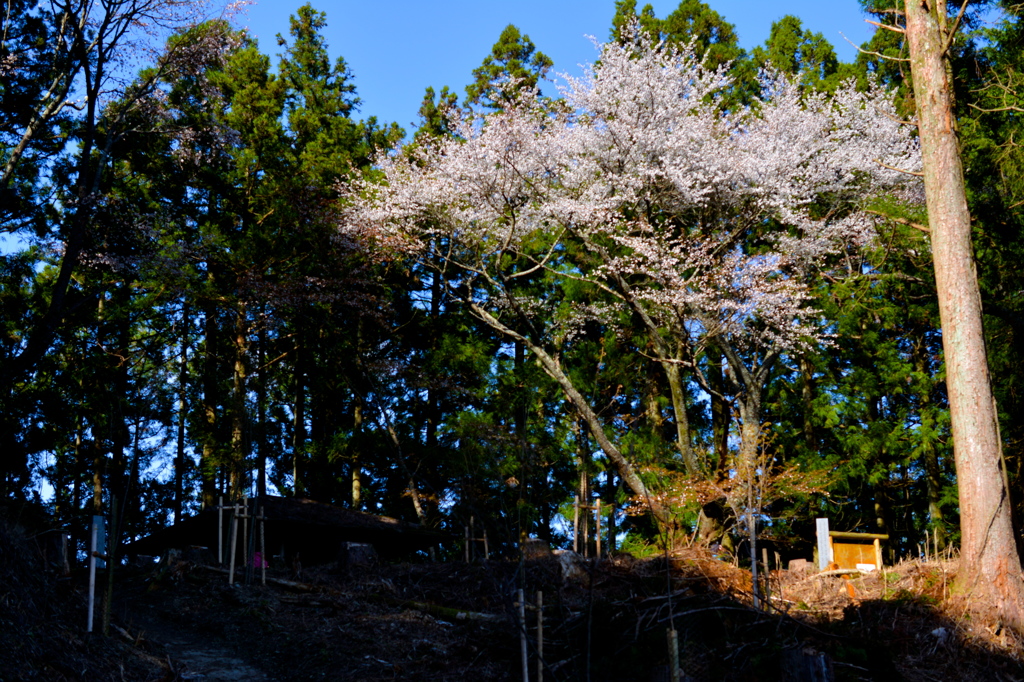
<point>522,635</point>
<point>220,531</point>
<point>487,548</point>
<point>245,538</point>
<point>673,655</point>
<point>540,636</point>
<point>234,543</point>
<point>472,538</point>
<point>575,523</point>
<point>597,528</point>
<point>465,545</point>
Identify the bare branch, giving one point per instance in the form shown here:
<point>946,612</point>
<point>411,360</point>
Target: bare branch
<point>916,174</point>
<point>887,27</point>
<point>901,221</point>
<point>956,25</point>
<point>996,110</point>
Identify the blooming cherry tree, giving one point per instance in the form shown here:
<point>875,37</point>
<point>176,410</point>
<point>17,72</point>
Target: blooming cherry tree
<point>706,225</point>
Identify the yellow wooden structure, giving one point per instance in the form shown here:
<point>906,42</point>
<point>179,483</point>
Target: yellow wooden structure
<point>856,550</point>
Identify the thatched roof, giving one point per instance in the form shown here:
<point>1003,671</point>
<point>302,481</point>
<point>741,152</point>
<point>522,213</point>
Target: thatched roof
<point>313,529</point>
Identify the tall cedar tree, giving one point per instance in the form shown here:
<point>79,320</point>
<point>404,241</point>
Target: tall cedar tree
<point>990,566</point>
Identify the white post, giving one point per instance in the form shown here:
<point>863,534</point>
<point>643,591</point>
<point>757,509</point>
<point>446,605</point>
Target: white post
<point>824,548</point>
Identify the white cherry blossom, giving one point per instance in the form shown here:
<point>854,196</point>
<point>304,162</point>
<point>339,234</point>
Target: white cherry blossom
<point>709,224</point>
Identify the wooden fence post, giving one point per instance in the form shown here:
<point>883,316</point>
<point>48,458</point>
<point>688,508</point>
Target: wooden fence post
<point>234,543</point>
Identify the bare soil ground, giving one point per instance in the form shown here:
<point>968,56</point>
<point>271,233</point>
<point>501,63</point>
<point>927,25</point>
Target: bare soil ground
<point>603,621</point>
<point>457,622</point>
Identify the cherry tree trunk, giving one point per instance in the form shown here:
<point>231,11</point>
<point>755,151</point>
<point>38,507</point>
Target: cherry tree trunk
<point>629,475</point>
<point>990,570</point>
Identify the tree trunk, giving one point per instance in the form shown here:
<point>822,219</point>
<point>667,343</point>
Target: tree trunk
<point>98,467</point>
<point>357,480</point>
<point>299,414</point>
<point>239,413</point>
<point>719,413</point>
<point>990,569</point>
<point>807,398</point>
<point>261,411</point>
<point>594,424</point>
<point>676,389</point>
<point>930,453</point>
<point>208,463</point>
<point>582,530</point>
<point>179,454</point>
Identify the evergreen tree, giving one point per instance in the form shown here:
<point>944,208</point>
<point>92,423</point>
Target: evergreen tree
<point>514,59</point>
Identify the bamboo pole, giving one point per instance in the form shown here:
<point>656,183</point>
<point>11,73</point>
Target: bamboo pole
<point>521,601</point>
<point>540,636</point>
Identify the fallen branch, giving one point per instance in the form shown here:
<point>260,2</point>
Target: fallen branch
<point>287,584</point>
<point>838,571</point>
<point>443,611</point>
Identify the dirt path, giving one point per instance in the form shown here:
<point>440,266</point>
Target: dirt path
<point>193,655</point>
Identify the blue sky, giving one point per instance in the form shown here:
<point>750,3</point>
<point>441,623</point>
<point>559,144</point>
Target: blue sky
<point>396,48</point>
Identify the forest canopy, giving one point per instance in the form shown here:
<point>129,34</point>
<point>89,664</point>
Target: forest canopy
<point>695,282</point>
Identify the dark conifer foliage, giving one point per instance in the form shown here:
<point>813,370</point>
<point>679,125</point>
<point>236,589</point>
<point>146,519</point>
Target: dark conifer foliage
<point>182,319</point>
